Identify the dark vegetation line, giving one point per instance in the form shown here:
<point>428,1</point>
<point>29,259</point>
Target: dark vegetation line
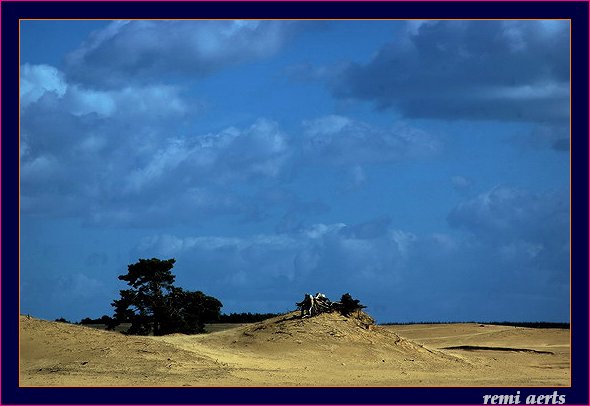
<point>529,324</point>
<point>256,317</point>
<point>223,318</point>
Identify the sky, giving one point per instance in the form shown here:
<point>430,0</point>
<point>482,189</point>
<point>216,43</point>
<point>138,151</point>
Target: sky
<point>421,166</point>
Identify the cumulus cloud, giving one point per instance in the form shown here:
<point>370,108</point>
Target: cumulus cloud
<point>340,140</point>
<point>294,218</point>
<point>320,256</point>
<point>96,153</point>
<point>509,213</point>
<point>478,70</point>
<point>216,158</point>
<point>522,236</point>
<point>36,80</point>
<point>104,142</point>
<point>77,141</point>
<point>134,51</point>
<point>47,86</point>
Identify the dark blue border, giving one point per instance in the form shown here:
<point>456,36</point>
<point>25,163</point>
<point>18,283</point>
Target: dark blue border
<point>12,11</point>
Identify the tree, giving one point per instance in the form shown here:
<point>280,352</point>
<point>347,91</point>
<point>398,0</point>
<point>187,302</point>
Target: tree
<point>154,305</point>
<point>350,305</point>
<point>190,311</point>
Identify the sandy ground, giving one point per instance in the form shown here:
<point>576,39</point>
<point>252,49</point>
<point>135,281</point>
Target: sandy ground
<point>327,350</point>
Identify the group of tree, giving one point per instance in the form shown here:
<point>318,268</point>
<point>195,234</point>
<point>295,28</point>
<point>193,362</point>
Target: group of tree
<point>106,320</point>
<point>153,305</point>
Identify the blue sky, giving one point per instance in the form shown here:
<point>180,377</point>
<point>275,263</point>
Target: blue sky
<point>422,166</point>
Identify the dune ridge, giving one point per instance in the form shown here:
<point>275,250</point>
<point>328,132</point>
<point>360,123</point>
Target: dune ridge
<point>325,350</point>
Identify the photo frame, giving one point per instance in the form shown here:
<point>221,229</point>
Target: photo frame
<point>14,11</point>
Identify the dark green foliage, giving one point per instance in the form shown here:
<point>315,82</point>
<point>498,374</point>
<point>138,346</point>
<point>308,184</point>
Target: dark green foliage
<point>62,320</point>
<point>314,305</point>
<point>101,320</point>
<point>349,305</point>
<point>188,312</point>
<point>153,305</point>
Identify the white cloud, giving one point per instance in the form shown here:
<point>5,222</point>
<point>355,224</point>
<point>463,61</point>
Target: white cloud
<point>80,102</point>
<point>531,92</point>
<point>36,80</point>
<point>342,141</point>
<point>328,125</point>
<point>230,155</point>
<point>135,51</point>
<point>319,230</point>
<point>384,266</point>
<point>110,149</point>
<point>148,101</point>
<point>161,163</point>
<point>322,253</point>
<point>153,100</point>
<point>99,149</point>
<point>380,263</point>
<point>261,149</point>
<point>413,26</point>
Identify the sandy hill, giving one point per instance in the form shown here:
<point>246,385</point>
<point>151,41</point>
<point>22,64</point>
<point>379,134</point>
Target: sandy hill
<point>349,337</point>
<point>63,354</point>
<point>326,350</point>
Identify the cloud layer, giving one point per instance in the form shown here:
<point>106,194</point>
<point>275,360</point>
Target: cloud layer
<point>139,50</point>
<point>96,153</point>
<point>522,235</point>
<point>149,141</point>
<point>342,141</point>
<point>477,70</point>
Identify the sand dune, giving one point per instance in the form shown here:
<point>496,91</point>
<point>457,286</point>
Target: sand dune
<point>327,350</point>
